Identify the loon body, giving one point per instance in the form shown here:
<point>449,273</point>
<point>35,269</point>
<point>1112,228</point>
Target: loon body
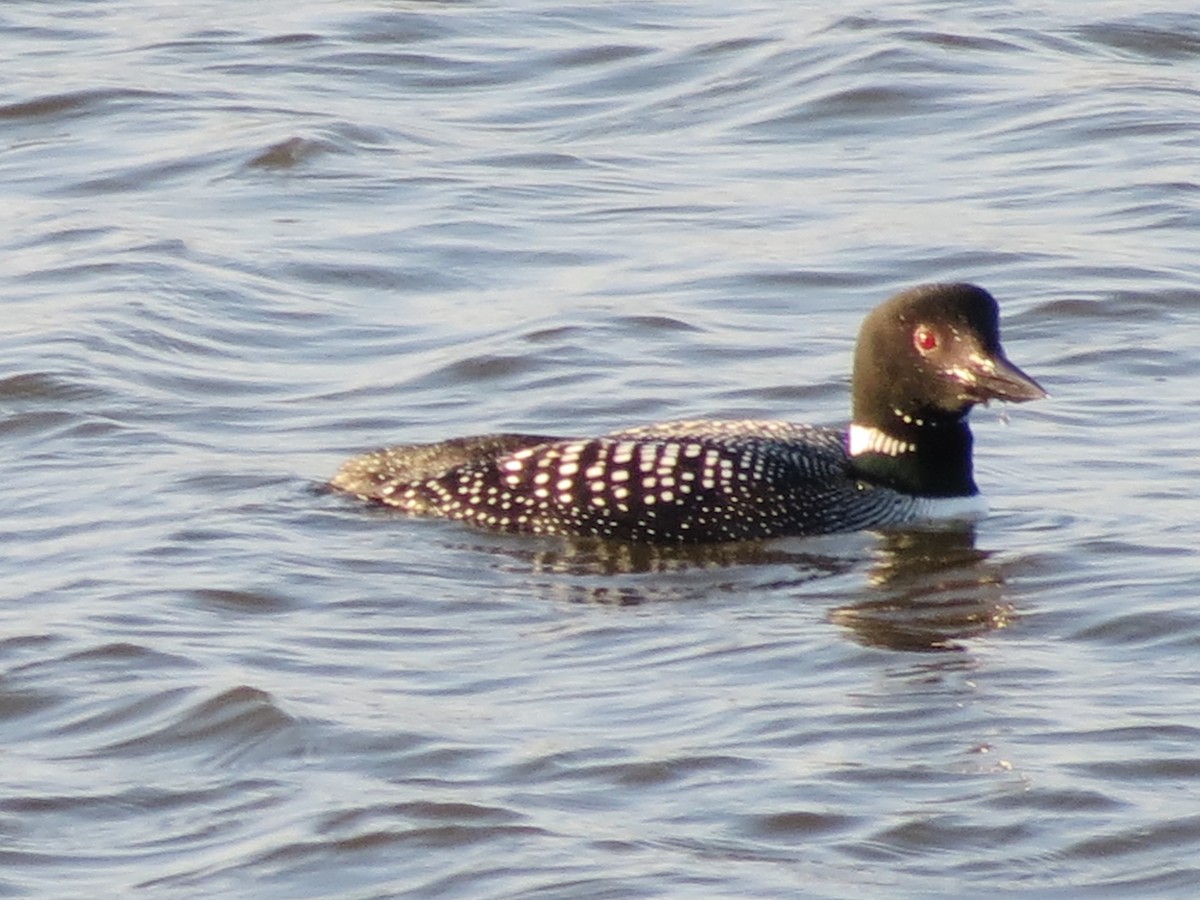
<point>924,358</point>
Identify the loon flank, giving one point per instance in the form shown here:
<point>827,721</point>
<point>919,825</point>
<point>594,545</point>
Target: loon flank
<point>923,359</point>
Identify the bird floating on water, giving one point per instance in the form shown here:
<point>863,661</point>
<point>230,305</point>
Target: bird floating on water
<point>924,358</point>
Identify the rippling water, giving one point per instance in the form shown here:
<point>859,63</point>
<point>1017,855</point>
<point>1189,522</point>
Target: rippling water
<point>245,241</point>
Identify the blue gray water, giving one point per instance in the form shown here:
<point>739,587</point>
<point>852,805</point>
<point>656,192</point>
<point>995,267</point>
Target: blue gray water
<point>244,241</point>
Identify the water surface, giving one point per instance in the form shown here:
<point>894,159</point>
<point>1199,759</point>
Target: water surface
<point>244,242</point>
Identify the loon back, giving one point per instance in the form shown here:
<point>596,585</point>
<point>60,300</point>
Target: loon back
<point>677,482</point>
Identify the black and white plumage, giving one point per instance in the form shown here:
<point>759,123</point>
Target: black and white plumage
<point>923,359</point>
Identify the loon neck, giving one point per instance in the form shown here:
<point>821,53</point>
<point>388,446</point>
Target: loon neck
<point>925,456</point>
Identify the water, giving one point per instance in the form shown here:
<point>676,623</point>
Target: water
<point>243,242</point>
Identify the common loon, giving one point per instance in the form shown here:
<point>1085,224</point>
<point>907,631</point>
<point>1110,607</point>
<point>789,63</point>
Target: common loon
<point>923,359</point>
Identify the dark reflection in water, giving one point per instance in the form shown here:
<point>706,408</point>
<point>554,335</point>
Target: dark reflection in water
<point>595,557</point>
<point>585,570</point>
<point>931,589</point>
<point>926,589</point>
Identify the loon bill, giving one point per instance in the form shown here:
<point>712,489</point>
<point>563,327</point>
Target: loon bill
<point>923,359</point>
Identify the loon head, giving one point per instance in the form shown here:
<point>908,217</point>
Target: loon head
<point>936,349</point>
<point>924,358</point>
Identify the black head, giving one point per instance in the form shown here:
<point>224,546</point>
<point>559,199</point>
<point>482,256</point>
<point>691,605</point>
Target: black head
<point>934,350</point>
<point>923,359</point>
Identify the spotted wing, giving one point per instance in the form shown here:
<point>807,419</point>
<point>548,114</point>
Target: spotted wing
<point>376,475</point>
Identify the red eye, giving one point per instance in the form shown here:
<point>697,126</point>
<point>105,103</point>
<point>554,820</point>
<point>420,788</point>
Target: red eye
<point>925,339</point>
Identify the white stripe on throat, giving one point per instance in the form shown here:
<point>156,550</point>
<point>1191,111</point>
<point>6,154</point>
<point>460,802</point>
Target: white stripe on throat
<point>864,439</point>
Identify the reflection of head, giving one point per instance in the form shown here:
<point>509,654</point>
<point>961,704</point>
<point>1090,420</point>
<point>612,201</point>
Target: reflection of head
<point>933,588</point>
